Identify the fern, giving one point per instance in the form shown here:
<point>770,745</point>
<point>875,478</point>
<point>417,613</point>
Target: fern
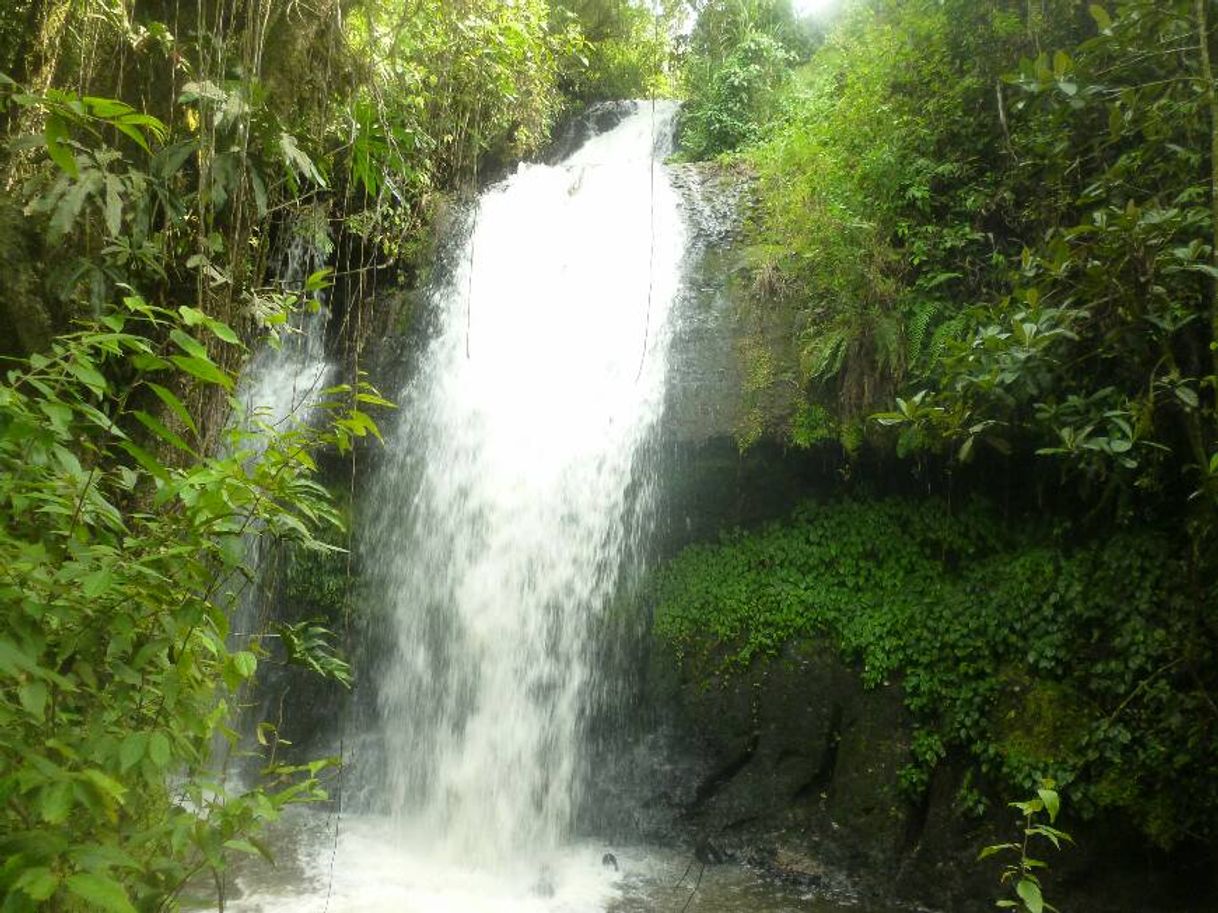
<point>824,350</point>
<point>916,327</point>
<point>945,333</point>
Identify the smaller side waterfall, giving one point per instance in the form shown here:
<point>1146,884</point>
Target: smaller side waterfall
<point>515,492</point>
<point>281,385</point>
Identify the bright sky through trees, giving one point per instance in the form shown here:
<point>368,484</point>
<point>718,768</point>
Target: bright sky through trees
<point>813,7</point>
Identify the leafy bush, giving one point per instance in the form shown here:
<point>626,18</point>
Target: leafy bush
<point>738,58</point>
<point>624,53</point>
<point>117,679</point>
<point>1028,654</point>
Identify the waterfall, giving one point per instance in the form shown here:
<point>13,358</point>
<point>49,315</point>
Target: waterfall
<point>514,496</point>
<point>506,513</point>
<point>280,385</point>
<point>279,388</point>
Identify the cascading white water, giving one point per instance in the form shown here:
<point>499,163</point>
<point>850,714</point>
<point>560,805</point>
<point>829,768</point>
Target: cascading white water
<point>514,492</point>
<point>279,388</point>
<point>280,385</point>
<point>507,512</point>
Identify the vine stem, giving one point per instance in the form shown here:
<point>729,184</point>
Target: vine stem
<point>1211,100</point>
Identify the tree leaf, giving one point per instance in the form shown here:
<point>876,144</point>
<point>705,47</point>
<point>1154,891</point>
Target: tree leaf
<point>98,582</point>
<point>132,749</point>
<point>55,801</point>
<point>38,883</point>
<point>189,344</point>
<point>168,161</point>
<point>1187,395</point>
<point>55,134</point>
<point>205,371</point>
<point>1101,17</point>
<point>145,459</point>
<point>33,697</point>
<point>158,749</point>
<point>1052,801</point>
<point>245,663</point>
<point>996,848</point>
<point>175,405</point>
<point>100,891</point>
<point>158,428</point>
<point>113,209</point>
<point>68,210</point>
<point>84,371</point>
<point>1029,892</point>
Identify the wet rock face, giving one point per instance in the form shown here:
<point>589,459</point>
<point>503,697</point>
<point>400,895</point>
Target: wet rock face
<point>707,482</point>
<point>793,766</point>
<point>597,119</point>
<point>793,744</point>
<point>704,380</point>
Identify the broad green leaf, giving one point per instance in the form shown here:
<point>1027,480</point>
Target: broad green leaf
<point>263,850</point>
<point>105,785</point>
<point>1187,395</point>
<point>106,108</point>
<point>113,210</point>
<point>175,406</point>
<point>95,856</point>
<point>245,663</point>
<point>1029,892</point>
<point>158,749</point>
<point>1052,801</point>
<point>101,892</point>
<point>55,135</point>
<point>38,883</point>
<point>319,280</point>
<point>189,344</point>
<point>220,329</point>
<point>96,583</point>
<point>33,696</point>
<point>205,371</point>
<point>13,660</point>
<point>168,161</point>
<point>67,212</point>
<point>87,373</point>
<point>132,749</point>
<point>145,459</point>
<point>55,801</point>
<point>155,425</point>
<point>242,846</point>
<point>132,134</point>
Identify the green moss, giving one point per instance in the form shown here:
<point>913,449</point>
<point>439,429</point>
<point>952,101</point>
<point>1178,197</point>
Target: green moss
<point>1044,722</point>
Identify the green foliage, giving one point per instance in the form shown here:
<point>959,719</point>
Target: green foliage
<point>873,197</point>
<point>625,52</point>
<point>367,117</point>
<point>1021,875</point>
<point>1005,217</point>
<point>738,58</point>
<point>120,571</point>
<point>1092,353</point>
<point>971,613</point>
